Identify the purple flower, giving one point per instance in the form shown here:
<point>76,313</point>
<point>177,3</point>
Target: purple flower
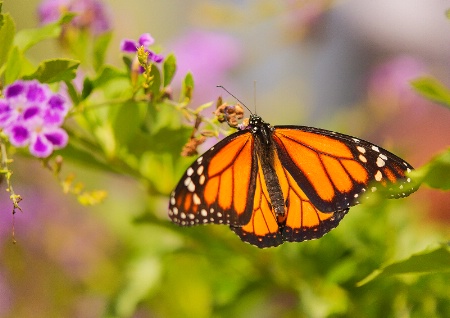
<point>91,14</point>
<point>145,40</point>
<point>31,115</point>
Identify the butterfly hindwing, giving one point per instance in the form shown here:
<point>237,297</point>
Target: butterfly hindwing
<point>302,220</point>
<point>262,229</point>
<point>218,186</point>
<point>334,169</point>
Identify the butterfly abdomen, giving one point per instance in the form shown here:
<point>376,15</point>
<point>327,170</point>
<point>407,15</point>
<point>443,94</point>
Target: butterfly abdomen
<point>265,150</point>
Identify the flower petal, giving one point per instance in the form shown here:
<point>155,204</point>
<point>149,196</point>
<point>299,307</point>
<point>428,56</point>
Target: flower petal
<point>40,147</point>
<point>37,92</point>
<point>5,113</point>
<point>146,40</point>
<point>129,46</point>
<point>57,137</point>
<point>154,57</point>
<point>18,135</point>
<point>30,112</point>
<point>15,89</point>
<point>58,103</point>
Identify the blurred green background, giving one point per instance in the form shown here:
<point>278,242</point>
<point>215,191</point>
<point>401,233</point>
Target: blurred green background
<point>344,66</point>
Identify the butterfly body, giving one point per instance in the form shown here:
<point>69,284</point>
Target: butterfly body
<point>272,184</point>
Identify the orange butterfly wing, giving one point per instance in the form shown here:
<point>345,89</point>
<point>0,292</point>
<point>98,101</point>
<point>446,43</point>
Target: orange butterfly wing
<point>302,220</point>
<point>218,186</point>
<point>321,174</point>
<point>334,170</point>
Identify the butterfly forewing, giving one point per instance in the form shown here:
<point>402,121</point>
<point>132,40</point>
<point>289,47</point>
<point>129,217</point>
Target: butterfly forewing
<point>218,186</point>
<point>334,170</point>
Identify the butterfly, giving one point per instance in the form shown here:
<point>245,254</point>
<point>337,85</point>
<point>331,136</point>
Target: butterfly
<point>273,184</point>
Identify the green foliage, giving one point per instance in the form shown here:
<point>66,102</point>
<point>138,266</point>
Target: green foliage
<point>429,261</point>
<point>100,48</point>
<point>187,89</point>
<point>55,70</point>
<point>169,69</point>
<point>25,39</point>
<point>435,173</point>
<point>7,30</point>
<point>432,89</point>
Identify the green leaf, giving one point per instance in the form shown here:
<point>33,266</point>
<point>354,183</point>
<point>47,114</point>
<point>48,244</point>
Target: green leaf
<point>188,88</point>
<point>88,87</point>
<point>436,173</point>
<point>55,70</point>
<point>432,89</point>
<point>159,116</point>
<point>7,31</point>
<point>100,46</point>
<point>71,89</point>
<point>169,69</point>
<point>13,66</point>
<point>428,261</point>
<point>126,123</point>
<point>107,74</point>
<point>155,86</point>
<point>127,61</point>
<point>27,38</point>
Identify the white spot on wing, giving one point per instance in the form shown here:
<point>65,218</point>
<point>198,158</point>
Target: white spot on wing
<point>191,187</point>
<point>200,170</point>
<point>196,199</point>
<point>189,171</point>
<point>378,176</point>
<point>380,162</point>
<point>361,149</point>
<point>362,158</point>
<point>375,148</point>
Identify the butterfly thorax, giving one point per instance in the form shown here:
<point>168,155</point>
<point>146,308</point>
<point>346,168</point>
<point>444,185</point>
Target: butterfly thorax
<point>265,151</point>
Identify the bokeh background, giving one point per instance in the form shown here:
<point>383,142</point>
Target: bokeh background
<point>339,65</point>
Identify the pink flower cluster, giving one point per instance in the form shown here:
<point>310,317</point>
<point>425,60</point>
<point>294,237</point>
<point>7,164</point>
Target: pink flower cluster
<point>32,115</point>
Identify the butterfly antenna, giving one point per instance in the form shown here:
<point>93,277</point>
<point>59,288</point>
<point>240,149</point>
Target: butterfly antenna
<point>254,95</point>
<point>235,98</point>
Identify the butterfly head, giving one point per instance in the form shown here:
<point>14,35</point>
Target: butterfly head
<point>256,123</point>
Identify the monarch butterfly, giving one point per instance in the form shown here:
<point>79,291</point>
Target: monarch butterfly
<point>272,184</point>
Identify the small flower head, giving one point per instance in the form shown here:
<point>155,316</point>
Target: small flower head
<point>229,113</point>
<point>145,40</point>
<point>91,14</point>
<point>31,115</point>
